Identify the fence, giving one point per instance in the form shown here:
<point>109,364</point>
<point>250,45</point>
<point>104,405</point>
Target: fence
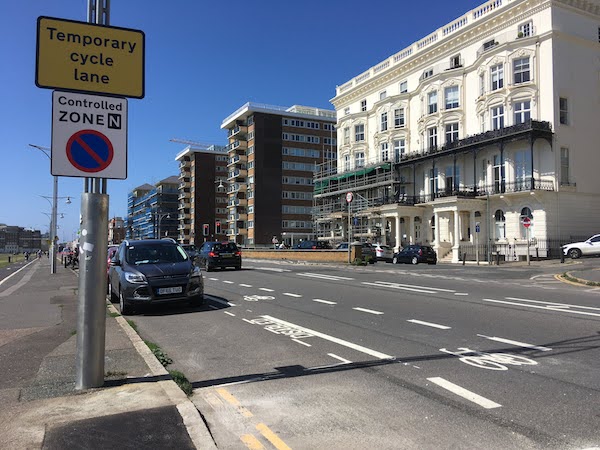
<point>516,250</point>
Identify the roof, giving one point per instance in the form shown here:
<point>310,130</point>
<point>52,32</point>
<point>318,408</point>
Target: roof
<point>173,179</point>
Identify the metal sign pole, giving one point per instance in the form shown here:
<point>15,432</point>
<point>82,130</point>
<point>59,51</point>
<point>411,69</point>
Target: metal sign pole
<point>93,249</point>
<point>349,232</point>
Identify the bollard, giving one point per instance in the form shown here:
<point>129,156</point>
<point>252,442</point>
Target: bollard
<point>464,258</point>
<point>562,256</point>
<point>537,255</point>
<point>498,258</point>
<point>9,259</point>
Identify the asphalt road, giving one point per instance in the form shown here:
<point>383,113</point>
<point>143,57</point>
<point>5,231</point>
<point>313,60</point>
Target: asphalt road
<point>311,356</point>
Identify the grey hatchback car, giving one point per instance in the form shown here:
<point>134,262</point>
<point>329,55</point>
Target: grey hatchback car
<point>146,272</point>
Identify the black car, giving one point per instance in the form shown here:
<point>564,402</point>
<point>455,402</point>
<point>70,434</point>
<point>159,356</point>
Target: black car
<point>219,254</point>
<point>191,250</point>
<point>313,245</point>
<point>415,254</point>
<point>145,272</point>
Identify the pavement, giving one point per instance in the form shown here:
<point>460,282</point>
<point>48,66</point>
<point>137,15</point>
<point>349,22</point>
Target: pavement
<point>139,406</point>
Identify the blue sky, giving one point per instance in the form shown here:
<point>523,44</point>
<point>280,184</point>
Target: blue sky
<point>204,59</point>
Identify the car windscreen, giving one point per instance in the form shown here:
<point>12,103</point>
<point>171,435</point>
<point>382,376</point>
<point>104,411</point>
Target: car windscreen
<point>155,254</point>
<point>225,247</point>
<point>190,248</point>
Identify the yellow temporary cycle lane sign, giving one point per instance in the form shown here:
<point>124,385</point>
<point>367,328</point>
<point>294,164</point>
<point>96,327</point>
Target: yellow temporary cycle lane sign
<point>80,56</point>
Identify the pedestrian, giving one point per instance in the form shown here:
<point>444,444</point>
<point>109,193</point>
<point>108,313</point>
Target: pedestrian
<point>39,254</point>
<point>26,256</point>
<point>275,241</point>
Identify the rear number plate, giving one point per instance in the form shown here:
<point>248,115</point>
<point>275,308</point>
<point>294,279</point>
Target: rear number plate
<point>226,255</point>
<point>170,290</point>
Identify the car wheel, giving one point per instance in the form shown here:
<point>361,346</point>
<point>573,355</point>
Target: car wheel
<point>197,301</point>
<point>414,260</point>
<point>124,306</point>
<point>574,253</point>
<point>395,260</point>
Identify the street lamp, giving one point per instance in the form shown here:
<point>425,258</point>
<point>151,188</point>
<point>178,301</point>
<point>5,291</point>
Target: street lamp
<point>160,218</point>
<point>46,151</point>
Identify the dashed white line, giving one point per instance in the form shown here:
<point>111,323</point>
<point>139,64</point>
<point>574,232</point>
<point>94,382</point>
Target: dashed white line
<point>214,279</point>
<point>327,302</point>
<point>429,324</point>
<point>228,282</point>
<point>229,314</point>
<point>272,269</point>
<point>464,393</point>
<point>249,321</point>
<point>461,293</point>
<point>301,342</point>
<point>289,294</point>
<point>339,358</point>
<point>517,343</point>
<point>266,289</point>
<point>370,311</point>
<point>324,276</point>
<point>245,285</point>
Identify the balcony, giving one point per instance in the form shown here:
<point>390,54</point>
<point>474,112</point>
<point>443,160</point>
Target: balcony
<point>183,204</point>
<point>184,195</point>
<point>237,173</point>
<point>184,175</point>
<point>184,165</point>
<point>183,216</point>
<point>183,227</point>
<point>237,159</point>
<point>235,202</point>
<point>236,187</point>
<point>239,131</point>
<point>184,184</point>
<point>237,145</point>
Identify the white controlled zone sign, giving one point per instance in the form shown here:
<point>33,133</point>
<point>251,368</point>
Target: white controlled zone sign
<point>89,136</point>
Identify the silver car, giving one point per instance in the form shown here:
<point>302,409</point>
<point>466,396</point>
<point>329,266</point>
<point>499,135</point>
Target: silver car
<point>383,253</point>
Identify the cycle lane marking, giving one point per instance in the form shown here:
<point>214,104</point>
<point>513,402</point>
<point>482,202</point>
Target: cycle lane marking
<point>464,393</point>
<point>517,343</point>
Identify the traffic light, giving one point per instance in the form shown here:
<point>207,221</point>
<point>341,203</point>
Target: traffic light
<point>205,229</point>
<point>218,227</point>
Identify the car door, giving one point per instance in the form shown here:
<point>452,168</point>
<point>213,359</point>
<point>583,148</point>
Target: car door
<point>115,271</point>
<point>594,246</point>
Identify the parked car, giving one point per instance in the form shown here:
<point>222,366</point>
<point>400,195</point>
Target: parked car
<point>191,250</point>
<point>415,254</point>
<point>383,253</point>
<point>219,254</point>
<point>112,249</point>
<point>146,272</point>
<point>313,245</point>
<point>366,248</point>
<point>585,248</point>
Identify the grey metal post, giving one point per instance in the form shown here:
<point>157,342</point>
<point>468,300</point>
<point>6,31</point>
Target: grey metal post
<point>91,320</point>
<point>54,227</point>
<point>349,232</point>
<point>93,252</point>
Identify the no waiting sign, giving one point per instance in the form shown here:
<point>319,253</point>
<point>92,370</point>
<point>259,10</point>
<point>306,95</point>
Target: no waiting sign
<point>89,136</point>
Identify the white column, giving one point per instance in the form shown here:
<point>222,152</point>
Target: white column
<point>472,226</point>
<point>456,243</point>
<point>411,225</point>
<point>398,233</point>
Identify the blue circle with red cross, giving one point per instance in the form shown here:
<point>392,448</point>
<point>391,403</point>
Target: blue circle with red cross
<point>90,151</point>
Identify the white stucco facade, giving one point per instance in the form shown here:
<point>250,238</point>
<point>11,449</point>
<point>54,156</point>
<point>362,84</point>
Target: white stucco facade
<point>491,118</point>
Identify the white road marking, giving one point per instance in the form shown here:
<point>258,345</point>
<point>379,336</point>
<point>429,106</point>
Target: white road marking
<point>339,358</point>
<point>229,314</point>
<point>561,305</point>
<point>218,300</point>
<point>461,293</point>
<point>289,294</point>
<point>390,285</point>
<point>301,342</point>
<point>517,343</point>
<point>249,321</point>
<point>429,324</point>
<point>245,285</point>
<point>272,269</point>
<point>266,289</point>
<point>228,282</point>
<point>214,279</point>
<point>327,302</point>
<point>547,308</point>
<point>324,277</point>
<point>356,347</point>
<point>464,393</point>
<point>370,311</point>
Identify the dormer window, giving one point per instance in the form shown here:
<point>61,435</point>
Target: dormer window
<point>525,30</point>
<point>489,44</point>
<point>428,73</point>
<point>455,62</point>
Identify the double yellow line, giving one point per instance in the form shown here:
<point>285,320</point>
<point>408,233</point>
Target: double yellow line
<point>250,440</point>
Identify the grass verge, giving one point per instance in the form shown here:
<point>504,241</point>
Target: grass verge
<point>567,277</point>
<point>158,352</point>
<point>181,380</point>
<point>133,325</point>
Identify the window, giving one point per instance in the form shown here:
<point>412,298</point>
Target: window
<point>451,97</point>
<point>382,95</point>
<point>489,44</point>
<point>563,106</point>
<point>481,84</point>
<point>497,117</point>
<point>497,77</point>
<point>399,149</point>
<point>347,135</point>
<point>432,137</point>
<point>455,62</point>
<point>564,166</point>
<point>497,173</point>
<point>452,183</point>
<point>346,111</point>
<point>359,159</point>
<point>250,135</point>
<point>404,84</point>
<point>451,132</point>
<point>428,73</point>
<point>385,154</point>
<point>399,118</point>
<point>363,105</point>
<point>250,149</point>
<point>523,170</point>
<point>500,225</point>
<point>525,30</point>
<point>522,111</point>
<point>521,70</point>
<point>250,120</point>
<point>359,132</point>
<point>432,102</point>
<point>346,162</point>
<point>384,121</point>
<point>433,181</point>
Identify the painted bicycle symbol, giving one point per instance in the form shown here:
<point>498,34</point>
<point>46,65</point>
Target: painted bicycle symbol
<point>491,361</point>
<point>255,298</point>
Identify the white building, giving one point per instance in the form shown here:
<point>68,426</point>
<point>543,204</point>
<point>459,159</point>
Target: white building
<point>491,118</point>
